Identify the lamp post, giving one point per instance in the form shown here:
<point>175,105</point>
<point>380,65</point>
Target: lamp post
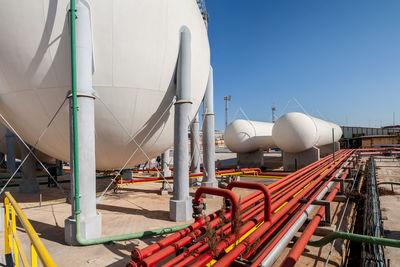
<point>227,98</point>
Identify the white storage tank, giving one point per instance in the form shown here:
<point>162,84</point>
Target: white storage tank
<point>135,48</point>
<point>296,132</point>
<point>242,136</point>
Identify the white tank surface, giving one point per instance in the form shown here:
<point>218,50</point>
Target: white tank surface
<point>296,132</point>
<point>135,49</point>
<point>242,136</point>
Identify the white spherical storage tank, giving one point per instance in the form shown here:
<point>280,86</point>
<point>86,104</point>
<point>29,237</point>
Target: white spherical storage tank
<point>296,132</point>
<point>135,51</point>
<point>242,136</point>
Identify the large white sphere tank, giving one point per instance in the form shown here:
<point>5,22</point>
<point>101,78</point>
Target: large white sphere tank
<point>135,46</point>
<point>296,132</point>
<point>242,136</point>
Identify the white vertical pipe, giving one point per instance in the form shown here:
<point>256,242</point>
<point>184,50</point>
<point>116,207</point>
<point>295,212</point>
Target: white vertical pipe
<point>180,203</point>
<point>209,135</point>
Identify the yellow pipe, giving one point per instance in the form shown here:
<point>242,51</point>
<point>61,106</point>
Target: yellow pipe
<point>40,248</point>
<point>20,250</point>
<point>7,233</point>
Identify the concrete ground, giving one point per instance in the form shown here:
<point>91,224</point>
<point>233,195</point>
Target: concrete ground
<point>388,170</point>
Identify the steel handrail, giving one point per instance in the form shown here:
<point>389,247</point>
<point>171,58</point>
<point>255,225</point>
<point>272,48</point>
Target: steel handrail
<point>12,241</point>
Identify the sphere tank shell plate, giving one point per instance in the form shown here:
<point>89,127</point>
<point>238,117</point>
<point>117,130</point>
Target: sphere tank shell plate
<point>135,48</point>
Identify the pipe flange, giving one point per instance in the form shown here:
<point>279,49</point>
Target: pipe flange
<point>198,209</point>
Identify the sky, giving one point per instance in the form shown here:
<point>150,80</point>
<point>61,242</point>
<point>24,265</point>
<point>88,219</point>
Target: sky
<point>340,59</point>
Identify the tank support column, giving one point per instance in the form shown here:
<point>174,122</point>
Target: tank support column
<point>209,135</point>
<point>127,174</point>
<point>90,219</point>
<point>165,171</point>
<point>29,183</point>
<point>180,204</point>
<point>195,148</point>
<point>165,164</point>
<point>10,147</point>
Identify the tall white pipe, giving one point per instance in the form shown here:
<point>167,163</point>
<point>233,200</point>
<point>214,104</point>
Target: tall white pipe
<point>209,135</point>
<point>180,204</point>
<point>195,145</point>
<point>90,219</point>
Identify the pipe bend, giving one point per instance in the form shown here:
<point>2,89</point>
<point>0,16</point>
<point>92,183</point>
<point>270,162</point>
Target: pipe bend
<point>256,186</point>
<point>222,193</point>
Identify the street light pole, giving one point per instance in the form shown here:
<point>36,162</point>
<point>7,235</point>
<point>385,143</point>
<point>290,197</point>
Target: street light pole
<point>227,98</point>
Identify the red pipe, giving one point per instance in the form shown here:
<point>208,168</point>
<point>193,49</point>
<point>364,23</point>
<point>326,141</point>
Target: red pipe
<point>256,186</point>
<point>276,186</point>
<point>301,243</point>
<point>241,247</point>
<point>257,261</point>
<point>187,256</point>
<point>222,193</point>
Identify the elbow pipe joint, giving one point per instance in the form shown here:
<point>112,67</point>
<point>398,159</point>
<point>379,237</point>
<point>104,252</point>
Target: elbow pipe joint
<point>256,186</point>
<point>227,194</point>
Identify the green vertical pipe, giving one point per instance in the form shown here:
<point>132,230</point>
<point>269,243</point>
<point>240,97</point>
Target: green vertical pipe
<point>74,105</point>
<point>79,239</point>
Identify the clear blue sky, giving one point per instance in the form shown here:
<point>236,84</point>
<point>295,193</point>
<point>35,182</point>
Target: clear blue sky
<point>338,58</point>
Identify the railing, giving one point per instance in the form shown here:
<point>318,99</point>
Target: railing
<point>13,247</point>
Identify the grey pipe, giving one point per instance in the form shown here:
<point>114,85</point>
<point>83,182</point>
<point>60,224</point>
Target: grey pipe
<point>209,135</point>
<point>90,219</point>
<point>195,145</point>
<point>180,203</point>
<point>282,244</point>
<point>165,164</point>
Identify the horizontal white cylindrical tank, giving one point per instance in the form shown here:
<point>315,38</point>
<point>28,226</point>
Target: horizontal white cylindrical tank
<point>242,136</point>
<point>135,48</point>
<point>296,132</point>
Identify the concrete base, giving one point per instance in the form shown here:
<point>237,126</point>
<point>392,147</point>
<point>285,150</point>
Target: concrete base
<point>195,181</point>
<point>251,159</point>
<point>296,161</point>
<point>327,149</point>
<point>180,210</point>
<point>1,219</point>
<point>164,192</point>
<point>90,229</point>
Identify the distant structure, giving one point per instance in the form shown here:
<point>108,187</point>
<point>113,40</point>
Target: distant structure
<point>356,137</point>
<point>273,109</point>
<point>227,98</point>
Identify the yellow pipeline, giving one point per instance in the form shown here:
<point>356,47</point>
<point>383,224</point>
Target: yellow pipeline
<point>212,262</point>
<point>37,245</point>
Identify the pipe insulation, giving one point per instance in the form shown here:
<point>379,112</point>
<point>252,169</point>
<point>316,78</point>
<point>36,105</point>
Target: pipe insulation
<point>282,244</point>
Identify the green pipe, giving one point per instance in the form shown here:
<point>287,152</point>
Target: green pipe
<point>355,238</point>
<point>79,238</point>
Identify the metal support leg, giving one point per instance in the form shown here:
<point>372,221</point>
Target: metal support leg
<point>165,171</point>
<point>209,136</point>
<point>195,148</point>
<point>10,147</point>
<point>29,183</point>
<point>180,204</point>
<point>90,219</point>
